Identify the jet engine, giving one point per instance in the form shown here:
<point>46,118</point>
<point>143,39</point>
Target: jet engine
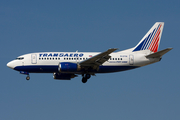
<point>68,67</point>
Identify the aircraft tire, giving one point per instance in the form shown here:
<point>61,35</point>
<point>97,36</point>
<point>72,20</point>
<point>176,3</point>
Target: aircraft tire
<point>87,76</point>
<point>27,78</point>
<point>84,80</point>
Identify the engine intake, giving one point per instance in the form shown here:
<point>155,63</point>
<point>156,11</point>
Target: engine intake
<point>68,67</point>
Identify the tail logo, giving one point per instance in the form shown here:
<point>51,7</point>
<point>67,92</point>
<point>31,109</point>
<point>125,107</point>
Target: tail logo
<point>151,42</point>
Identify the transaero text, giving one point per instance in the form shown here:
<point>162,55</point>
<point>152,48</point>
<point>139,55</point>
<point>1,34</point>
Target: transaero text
<point>61,55</point>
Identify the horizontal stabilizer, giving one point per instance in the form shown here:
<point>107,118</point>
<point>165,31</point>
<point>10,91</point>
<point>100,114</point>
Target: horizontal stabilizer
<point>159,54</point>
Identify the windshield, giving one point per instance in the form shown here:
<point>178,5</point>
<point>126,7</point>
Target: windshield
<point>19,58</point>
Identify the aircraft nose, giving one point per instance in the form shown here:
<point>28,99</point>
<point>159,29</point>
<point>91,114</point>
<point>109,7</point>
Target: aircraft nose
<point>10,65</point>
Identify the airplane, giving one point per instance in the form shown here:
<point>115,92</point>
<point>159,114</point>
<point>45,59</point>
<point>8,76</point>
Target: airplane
<point>67,65</point>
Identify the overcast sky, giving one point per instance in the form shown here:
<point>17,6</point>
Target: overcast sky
<point>148,93</point>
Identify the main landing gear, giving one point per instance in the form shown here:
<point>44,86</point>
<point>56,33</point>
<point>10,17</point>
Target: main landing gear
<point>85,78</point>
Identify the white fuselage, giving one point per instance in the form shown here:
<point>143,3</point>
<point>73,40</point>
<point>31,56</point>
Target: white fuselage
<point>47,62</point>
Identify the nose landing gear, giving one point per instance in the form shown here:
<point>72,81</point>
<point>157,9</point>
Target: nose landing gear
<point>25,73</point>
<point>85,78</point>
<point>27,78</point>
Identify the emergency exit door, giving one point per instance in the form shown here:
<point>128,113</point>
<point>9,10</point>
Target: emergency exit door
<point>33,59</point>
<point>131,59</point>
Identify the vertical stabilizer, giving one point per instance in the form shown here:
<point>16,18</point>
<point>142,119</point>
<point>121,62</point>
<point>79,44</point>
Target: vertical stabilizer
<point>152,38</point>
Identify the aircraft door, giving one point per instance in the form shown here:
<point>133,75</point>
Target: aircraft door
<point>33,58</point>
<point>131,59</point>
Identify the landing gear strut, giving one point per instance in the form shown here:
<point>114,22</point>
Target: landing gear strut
<point>27,78</point>
<point>85,78</point>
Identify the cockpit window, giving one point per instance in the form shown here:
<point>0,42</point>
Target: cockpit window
<point>20,58</point>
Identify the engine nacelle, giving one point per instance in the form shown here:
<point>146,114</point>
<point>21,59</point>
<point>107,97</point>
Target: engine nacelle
<point>68,67</point>
<point>63,76</point>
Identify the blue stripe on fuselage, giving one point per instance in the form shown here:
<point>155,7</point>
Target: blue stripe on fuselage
<point>54,68</point>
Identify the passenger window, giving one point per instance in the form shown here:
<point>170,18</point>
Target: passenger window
<point>58,58</point>
<point>115,58</point>
<point>47,58</point>
<point>44,58</point>
<point>39,58</point>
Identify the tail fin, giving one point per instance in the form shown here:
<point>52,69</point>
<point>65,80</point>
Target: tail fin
<point>152,38</point>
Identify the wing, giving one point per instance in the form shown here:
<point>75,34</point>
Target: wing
<point>96,61</point>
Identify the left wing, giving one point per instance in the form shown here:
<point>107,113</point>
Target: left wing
<point>97,60</point>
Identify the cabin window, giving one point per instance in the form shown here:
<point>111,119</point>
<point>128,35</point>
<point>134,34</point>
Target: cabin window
<point>58,58</point>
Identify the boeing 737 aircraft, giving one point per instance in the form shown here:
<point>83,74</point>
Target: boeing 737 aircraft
<point>67,65</point>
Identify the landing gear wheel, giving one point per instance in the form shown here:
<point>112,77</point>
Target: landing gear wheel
<point>84,80</point>
<point>27,78</point>
<point>87,76</point>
